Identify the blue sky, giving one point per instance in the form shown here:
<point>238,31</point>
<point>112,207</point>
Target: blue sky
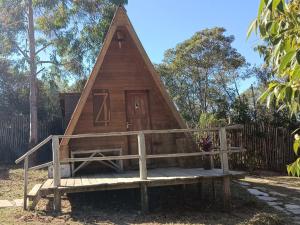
<point>161,24</point>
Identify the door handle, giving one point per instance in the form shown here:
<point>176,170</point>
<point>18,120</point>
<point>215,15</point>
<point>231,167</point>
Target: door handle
<point>128,124</point>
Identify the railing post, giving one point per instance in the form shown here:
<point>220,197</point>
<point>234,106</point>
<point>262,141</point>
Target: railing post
<point>225,167</point>
<point>143,172</point>
<point>223,150</point>
<point>25,182</point>
<point>56,164</point>
<point>56,173</point>
<point>142,156</point>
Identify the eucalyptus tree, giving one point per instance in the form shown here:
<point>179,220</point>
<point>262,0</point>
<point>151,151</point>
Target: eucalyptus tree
<point>278,25</point>
<point>201,73</point>
<point>53,38</point>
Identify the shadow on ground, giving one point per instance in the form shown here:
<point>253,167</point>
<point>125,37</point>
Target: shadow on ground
<point>167,205</point>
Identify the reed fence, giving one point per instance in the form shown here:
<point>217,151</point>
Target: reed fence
<point>14,137</point>
<point>268,147</point>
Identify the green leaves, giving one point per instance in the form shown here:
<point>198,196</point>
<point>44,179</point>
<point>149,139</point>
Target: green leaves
<point>296,145</point>
<point>275,4</point>
<point>252,27</point>
<point>260,8</point>
<point>279,28</point>
<point>294,168</point>
<point>286,60</point>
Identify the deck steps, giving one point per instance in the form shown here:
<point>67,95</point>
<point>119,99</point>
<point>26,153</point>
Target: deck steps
<point>34,191</point>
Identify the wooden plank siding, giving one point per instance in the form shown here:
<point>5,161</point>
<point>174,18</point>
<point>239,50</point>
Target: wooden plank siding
<point>124,69</point>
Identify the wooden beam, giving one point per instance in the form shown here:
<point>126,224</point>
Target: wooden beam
<point>41,166</point>
<point>57,200</point>
<point>144,198</point>
<point>29,152</point>
<point>223,152</point>
<point>56,163</point>
<point>56,174</point>
<point>25,182</point>
<point>227,193</point>
<point>128,133</point>
<point>142,156</point>
<point>124,157</point>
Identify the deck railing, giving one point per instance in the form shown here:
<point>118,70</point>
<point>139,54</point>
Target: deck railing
<point>222,150</point>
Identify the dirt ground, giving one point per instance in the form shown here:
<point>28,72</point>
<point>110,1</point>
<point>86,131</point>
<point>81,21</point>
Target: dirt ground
<point>168,205</point>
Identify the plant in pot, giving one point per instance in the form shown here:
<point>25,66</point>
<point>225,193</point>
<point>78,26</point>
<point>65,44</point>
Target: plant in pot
<point>206,145</point>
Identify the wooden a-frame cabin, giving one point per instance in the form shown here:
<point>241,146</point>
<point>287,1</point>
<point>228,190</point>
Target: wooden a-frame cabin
<point>123,93</point>
<point>125,120</point>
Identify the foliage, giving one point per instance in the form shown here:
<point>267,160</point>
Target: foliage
<point>210,119</point>
<point>69,34</point>
<point>201,74</point>
<point>206,143</point>
<point>278,24</point>
<point>14,91</point>
<point>68,37</point>
<point>77,30</point>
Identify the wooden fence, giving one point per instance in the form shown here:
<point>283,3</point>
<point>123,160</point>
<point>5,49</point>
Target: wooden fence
<point>268,148</point>
<point>14,136</point>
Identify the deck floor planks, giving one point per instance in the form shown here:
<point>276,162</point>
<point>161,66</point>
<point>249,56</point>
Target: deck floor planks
<point>127,179</point>
<point>77,181</point>
<point>85,181</point>
<point>63,182</point>
<point>47,184</point>
<point>70,182</point>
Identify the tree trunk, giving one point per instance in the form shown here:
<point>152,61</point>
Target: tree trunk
<point>33,138</point>
<point>205,91</point>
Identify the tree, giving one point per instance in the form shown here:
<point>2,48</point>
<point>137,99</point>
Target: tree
<point>14,90</point>
<point>201,74</point>
<point>54,37</point>
<point>278,25</point>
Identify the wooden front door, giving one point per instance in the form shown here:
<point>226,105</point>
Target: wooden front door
<point>138,118</point>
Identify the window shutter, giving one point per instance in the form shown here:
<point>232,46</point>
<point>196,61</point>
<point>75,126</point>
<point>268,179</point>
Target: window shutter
<point>101,107</point>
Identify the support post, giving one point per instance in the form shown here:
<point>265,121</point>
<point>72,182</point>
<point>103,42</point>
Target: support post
<point>225,167</point>
<point>25,182</point>
<point>56,173</point>
<point>144,198</point>
<point>142,156</point>
<point>200,189</point>
<point>223,150</point>
<point>227,193</point>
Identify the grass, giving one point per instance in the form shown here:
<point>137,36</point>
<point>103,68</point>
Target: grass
<point>122,207</point>
<point>12,178</point>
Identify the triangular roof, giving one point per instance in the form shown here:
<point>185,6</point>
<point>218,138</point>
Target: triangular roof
<point>120,19</point>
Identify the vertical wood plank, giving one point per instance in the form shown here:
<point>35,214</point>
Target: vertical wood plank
<point>144,198</point>
<point>223,149</point>
<point>57,200</point>
<point>227,193</point>
<point>56,174</point>
<point>56,164</point>
<point>142,156</point>
<point>25,182</point>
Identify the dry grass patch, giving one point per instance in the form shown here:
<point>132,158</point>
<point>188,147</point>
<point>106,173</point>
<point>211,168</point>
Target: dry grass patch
<point>122,207</point>
<point>12,178</point>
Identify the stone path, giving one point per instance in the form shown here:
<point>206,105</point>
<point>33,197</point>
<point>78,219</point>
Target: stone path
<point>281,201</point>
<point>13,203</point>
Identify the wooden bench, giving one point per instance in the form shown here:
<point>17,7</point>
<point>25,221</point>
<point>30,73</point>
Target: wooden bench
<point>117,165</point>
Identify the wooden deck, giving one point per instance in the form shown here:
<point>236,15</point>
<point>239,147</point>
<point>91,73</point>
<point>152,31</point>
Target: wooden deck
<point>131,179</point>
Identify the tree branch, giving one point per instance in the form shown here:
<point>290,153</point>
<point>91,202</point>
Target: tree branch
<point>52,62</point>
<point>49,62</point>
<point>40,71</point>
<point>44,47</point>
<point>23,52</point>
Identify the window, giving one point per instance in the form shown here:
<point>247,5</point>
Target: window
<point>101,107</point>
